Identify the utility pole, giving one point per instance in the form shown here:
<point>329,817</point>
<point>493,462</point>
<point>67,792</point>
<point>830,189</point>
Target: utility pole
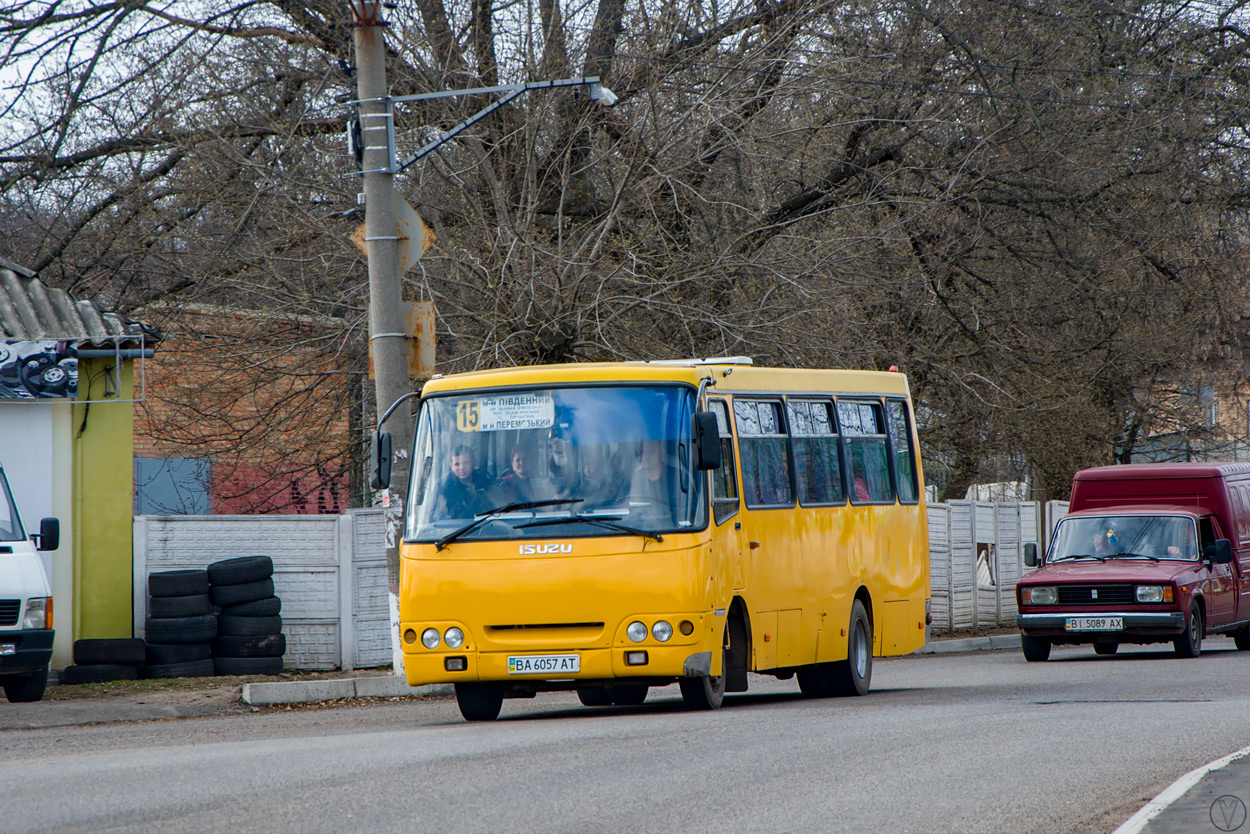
<point>387,333</point>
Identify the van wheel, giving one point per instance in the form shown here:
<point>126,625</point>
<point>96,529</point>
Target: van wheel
<point>1242,638</point>
<point>1189,644</point>
<point>1036,649</point>
<point>479,701</point>
<point>26,689</point>
<point>1106,648</point>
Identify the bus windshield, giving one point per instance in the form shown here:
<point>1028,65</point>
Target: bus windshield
<point>541,463</point>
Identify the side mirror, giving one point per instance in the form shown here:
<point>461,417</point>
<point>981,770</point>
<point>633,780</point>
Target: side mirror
<point>1030,555</point>
<point>380,460</point>
<point>1221,552</point>
<point>49,534</point>
<point>706,441</point>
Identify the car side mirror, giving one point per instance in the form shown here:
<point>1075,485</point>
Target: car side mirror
<point>706,440</point>
<point>380,460</point>
<point>49,534</point>
<point>1030,555</point>
<point>1221,552</point>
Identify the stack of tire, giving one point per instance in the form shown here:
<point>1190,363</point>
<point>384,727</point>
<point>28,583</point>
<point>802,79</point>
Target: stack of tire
<point>249,631</point>
<point>181,625</point>
<point>108,659</point>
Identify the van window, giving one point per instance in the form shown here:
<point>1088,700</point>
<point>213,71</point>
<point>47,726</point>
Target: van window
<point>724,480</point>
<point>817,459</point>
<point>763,446</point>
<point>10,524</point>
<point>864,443</point>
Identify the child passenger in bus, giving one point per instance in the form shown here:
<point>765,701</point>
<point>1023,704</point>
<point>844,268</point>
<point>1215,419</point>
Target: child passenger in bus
<point>465,490</point>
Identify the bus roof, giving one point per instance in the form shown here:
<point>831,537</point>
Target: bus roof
<point>728,375</point>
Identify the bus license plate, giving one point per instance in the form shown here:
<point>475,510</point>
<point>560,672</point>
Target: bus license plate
<point>544,664</point>
<point>1094,624</point>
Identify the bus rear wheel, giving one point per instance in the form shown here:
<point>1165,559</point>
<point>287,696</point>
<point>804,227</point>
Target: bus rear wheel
<point>594,696</point>
<point>628,695</point>
<point>479,701</point>
<point>853,676</point>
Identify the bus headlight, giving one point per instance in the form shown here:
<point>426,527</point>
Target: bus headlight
<point>1039,595</point>
<point>454,638</point>
<point>636,632</point>
<point>429,638</point>
<point>662,631</point>
<point>1154,593</point>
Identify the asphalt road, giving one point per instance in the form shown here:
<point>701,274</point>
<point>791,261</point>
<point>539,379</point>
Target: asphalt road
<point>960,743</point>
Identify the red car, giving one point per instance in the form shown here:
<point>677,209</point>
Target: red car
<point>1150,553</point>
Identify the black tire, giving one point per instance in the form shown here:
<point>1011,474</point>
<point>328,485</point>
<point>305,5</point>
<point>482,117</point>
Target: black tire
<point>248,626</point>
<point>224,595</point>
<point>248,665</point>
<point>595,696</point>
<point>266,607</point>
<point>1189,642</point>
<point>189,669</point>
<point>629,695</point>
<point>1036,649</point>
<point>706,692</point>
<point>240,570</point>
<point>177,583</point>
<point>853,676</point>
<point>167,654</point>
<point>126,651</point>
<point>1241,637</point>
<point>199,629</point>
<point>25,689</point>
<point>188,606</point>
<point>816,680</point>
<point>1106,648</point>
<point>268,645</point>
<point>479,701</point>
<point>98,673</point>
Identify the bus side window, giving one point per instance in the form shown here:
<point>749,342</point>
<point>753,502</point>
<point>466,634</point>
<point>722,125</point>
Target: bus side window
<point>817,460</point>
<point>864,447</point>
<point>725,479</point>
<point>901,449</point>
<point>763,447</point>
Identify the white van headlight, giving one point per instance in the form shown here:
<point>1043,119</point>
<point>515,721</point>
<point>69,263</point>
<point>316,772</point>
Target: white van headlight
<point>38,613</point>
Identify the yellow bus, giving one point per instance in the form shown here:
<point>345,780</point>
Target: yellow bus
<point>607,528</point>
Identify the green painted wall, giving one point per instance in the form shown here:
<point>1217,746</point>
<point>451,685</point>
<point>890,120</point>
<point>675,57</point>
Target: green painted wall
<point>103,442</point>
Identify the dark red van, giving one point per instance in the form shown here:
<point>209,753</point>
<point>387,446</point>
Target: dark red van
<point>1149,553</point>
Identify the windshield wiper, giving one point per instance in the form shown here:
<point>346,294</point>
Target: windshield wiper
<point>482,518</point>
<point>1138,556</point>
<point>603,521</point>
<point>1080,556</point>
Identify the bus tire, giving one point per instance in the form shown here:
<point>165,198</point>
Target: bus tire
<point>853,676</point>
<point>1189,642</point>
<point>816,680</point>
<point>594,696</point>
<point>628,695</point>
<point>1036,649</point>
<point>479,701</point>
<point>706,692</point>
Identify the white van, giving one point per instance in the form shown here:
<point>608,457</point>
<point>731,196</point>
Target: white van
<point>25,602</point>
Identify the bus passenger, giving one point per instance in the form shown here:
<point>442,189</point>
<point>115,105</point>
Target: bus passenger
<point>517,484</point>
<point>464,491</point>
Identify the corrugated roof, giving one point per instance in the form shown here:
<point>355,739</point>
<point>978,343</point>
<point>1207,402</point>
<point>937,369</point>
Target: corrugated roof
<point>30,310</point>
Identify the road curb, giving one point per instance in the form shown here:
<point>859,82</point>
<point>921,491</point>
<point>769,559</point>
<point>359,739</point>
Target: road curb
<point>993,643</point>
<point>303,692</point>
<point>1175,791</point>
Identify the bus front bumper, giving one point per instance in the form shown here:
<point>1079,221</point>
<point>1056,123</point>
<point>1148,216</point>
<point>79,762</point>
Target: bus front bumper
<point>617,663</point>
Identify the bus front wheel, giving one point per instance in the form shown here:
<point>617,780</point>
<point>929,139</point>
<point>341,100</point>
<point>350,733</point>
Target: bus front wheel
<point>703,693</point>
<point>479,701</point>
